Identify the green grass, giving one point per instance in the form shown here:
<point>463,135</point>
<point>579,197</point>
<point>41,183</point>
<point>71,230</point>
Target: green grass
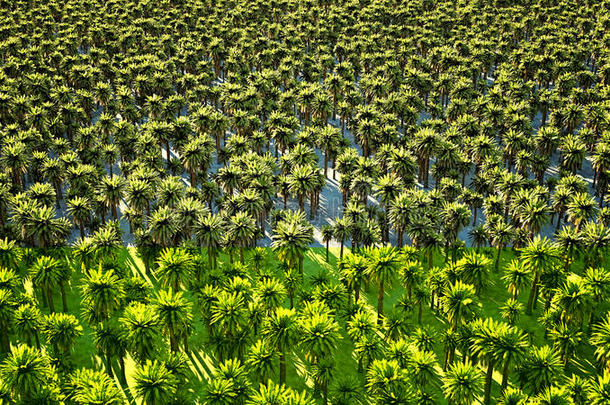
<point>494,296</point>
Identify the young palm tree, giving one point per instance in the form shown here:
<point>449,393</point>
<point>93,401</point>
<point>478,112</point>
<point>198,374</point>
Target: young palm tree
<point>327,236</point>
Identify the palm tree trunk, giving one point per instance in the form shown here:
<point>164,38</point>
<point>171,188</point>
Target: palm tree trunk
<point>109,364</point>
<point>64,301</point>
<point>50,300</point>
<point>380,303</point>
<point>488,376</point>
<point>327,242</point>
<point>530,300</point>
<point>282,367</point>
<point>504,377</point>
<point>341,251</point>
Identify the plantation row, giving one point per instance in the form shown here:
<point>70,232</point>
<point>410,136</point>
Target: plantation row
<point>163,327</point>
<point>389,121</point>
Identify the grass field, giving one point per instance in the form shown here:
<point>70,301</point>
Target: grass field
<point>492,298</point>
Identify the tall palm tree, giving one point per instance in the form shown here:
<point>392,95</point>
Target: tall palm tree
<point>383,266</point>
<point>209,230</point>
<point>241,231</point>
<point>539,255</point>
<point>459,302</point>
<point>154,383</point>
<point>101,294</point>
<point>280,330</point>
<point>175,267</point>
<point>26,373</point>
<point>174,313</point>
<point>45,274</point>
<point>61,331</point>
<point>112,190</point>
<point>291,237</point>
<point>462,383</point>
<point>516,276</point>
<point>141,329</point>
<point>540,369</point>
<point>342,231</point>
<point>79,208</point>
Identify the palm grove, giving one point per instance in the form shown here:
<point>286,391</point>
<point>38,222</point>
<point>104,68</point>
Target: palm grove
<point>452,158</point>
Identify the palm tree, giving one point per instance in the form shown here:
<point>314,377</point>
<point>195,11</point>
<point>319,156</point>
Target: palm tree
<point>260,360</point>
<point>45,274</point>
<point>500,234</point>
<point>209,231</point>
<point>154,383</point>
<point>462,383</point>
<point>175,267</point>
<point>600,338</point>
<point>301,182</point>
<point>540,369</point>
<point>7,313</point>
<point>581,208</point>
<point>599,390</point>
<point>141,329</point>
<point>28,322</point>
<point>291,237</point>
<point>110,341</point>
<point>174,313</point>
<point>79,208</point>
<point>101,294</point>
<point>474,269</point>
<point>241,230</point>
<point>327,236</point>
<point>162,226</point>
<point>280,330</point>
<point>516,276</point>
<point>383,266</point>
<point>112,190</point>
<point>459,303</point>
<point>565,341</point>
<point>342,231</point>
<point>538,255</point>
<point>26,373</point>
<point>61,331</point>
<point>89,386</point>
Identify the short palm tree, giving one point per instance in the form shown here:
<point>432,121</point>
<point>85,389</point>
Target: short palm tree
<point>540,369</point>
<point>26,373</point>
<point>516,276</point>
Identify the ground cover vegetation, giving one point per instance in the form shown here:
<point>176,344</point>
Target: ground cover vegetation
<point>299,202</point>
